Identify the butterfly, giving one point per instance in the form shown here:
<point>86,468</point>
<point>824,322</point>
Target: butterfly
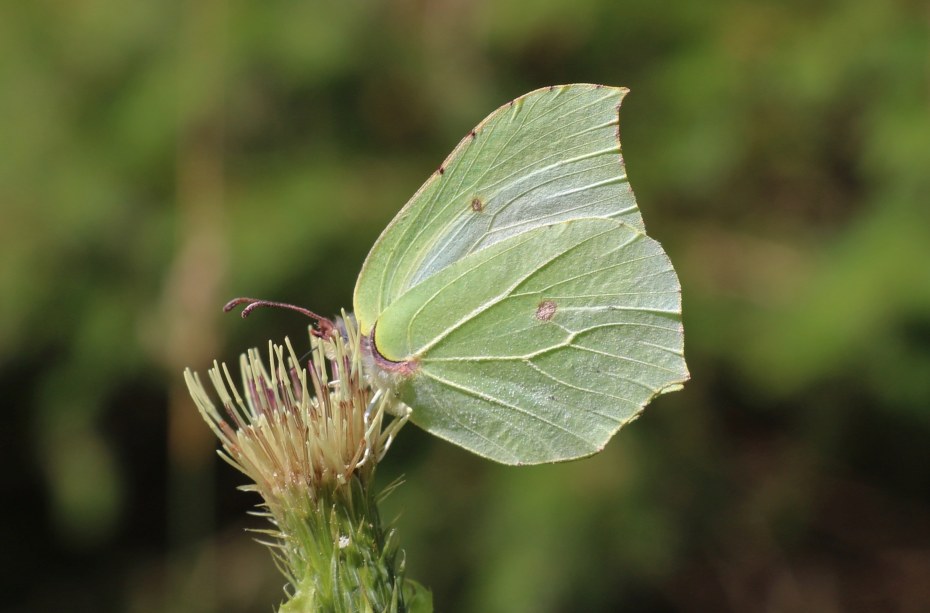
<point>515,303</point>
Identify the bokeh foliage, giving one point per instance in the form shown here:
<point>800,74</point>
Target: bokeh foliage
<point>157,158</point>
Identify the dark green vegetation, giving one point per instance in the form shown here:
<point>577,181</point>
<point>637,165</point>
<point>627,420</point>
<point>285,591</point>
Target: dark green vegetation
<point>157,158</point>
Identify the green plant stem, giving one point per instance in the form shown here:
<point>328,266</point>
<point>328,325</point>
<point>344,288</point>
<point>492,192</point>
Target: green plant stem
<point>337,554</point>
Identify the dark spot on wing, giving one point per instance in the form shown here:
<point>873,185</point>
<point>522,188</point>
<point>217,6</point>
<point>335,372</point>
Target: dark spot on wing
<point>552,88</point>
<point>442,170</point>
<point>473,134</point>
<point>599,86</point>
<point>477,205</point>
<point>545,310</point>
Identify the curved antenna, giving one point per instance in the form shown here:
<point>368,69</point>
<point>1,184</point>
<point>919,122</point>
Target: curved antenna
<point>324,327</point>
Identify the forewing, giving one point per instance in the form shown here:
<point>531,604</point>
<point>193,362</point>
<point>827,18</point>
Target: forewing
<point>546,157</point>
<point>539,348</point>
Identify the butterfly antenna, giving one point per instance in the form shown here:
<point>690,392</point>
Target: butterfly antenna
<point>323,328</point>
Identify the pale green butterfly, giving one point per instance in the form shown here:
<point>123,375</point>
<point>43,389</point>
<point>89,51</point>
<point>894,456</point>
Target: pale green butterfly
<point>515,303</point>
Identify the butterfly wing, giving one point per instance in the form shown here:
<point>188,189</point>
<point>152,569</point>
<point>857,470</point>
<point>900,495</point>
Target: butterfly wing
<point>546,157</point>
<point>541,346</point>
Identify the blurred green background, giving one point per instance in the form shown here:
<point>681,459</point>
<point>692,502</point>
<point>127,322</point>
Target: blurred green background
<point>158,158</point>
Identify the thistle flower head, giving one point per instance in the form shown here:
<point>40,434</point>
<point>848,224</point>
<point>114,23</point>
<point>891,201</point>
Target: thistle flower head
<point>298,431</point>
